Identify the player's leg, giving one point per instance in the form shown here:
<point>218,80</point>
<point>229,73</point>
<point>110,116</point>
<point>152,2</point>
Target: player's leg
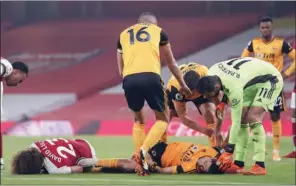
<point>277,126</point>
<point>135,99</point>
<point>207,110</point>
<point>293,119</point>
<point>156,99</point>
<point>263,101</point>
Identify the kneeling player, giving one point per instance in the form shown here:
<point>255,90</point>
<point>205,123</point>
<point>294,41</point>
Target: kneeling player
<point>171,158</point>
<point>192,72</point>
<point>57,156</point>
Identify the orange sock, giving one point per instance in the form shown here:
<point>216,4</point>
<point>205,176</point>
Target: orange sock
<point>154,135</point>
<point>211,139</point>
<point>277,132</point>
<point>138,135</point>
<point>108,163</point>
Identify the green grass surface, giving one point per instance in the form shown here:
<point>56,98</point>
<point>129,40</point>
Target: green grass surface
<point>282,172</point>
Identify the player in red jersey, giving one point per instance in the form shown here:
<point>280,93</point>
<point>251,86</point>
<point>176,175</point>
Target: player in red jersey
<point>293,107</point>
<point>56,156</point>
<point>12,74</point>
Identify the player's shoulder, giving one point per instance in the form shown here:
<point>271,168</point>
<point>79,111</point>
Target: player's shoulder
<point>173,83</point>
<point>278,38</point>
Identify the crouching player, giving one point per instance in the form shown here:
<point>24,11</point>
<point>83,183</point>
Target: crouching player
<point>56,156</point>
<point>252,86</point>
<point>171,158</point>
<point>192,72</point>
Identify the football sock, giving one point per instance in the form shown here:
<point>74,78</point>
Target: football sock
<point>138,135</point>
<point>260,163</point>
<point>276,131</point>
<point>154,135</point>
<point>212,139</point>
<point>108,163</point>
<point>233,136</point>
<point>259,141</point>
<point>242,143</point>
<point>239,163</point>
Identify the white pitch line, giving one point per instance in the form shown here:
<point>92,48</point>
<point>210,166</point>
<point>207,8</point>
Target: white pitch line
<point>135,180</point>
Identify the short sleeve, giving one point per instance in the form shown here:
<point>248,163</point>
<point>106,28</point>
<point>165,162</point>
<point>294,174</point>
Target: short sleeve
<point>176,96</point>
<point>250,46</point>
<point>164,40</point>
<point>119,47</point>
<point>286,48</point>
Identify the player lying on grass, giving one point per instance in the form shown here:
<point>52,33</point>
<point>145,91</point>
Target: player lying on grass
<point>170,158</point>
<point>192,72</point>
<point>56,156</point>
<point>252,86</point>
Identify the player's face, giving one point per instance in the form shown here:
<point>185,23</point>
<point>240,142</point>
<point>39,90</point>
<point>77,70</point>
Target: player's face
<point>15,78</point>
<point>215,96</point>
<point>204,164</point>
<point>266,29</point>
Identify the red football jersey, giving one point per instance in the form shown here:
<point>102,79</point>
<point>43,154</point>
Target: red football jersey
<point>60,154</point>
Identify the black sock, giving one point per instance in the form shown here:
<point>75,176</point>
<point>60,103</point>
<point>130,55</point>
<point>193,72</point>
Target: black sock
<point>239,163</point>
<point>260,163</point>
<point>229,148</point>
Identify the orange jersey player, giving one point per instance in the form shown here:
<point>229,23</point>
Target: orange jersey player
<point>170,158</point>
<point>138,57</point>
<point>272,49</point>
<point>192,72</point>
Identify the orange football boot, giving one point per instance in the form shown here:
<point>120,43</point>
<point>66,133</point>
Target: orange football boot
<point>142,165</point>
<point>234,169</point>
<point>291,155</point>
<point>256,171</point>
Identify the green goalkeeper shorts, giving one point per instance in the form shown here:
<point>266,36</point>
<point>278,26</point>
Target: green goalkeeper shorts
<point>263,94</point>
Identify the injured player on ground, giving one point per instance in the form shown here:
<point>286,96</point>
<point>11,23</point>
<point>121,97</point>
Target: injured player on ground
<point>171,158</point>
<point>56,156</point>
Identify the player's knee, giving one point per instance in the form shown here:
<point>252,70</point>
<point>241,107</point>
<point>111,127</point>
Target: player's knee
<point>275,116</point>
<point>163,116</point>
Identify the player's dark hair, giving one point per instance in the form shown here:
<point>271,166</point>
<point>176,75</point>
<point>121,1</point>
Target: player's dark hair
<point>144,17</point>
<point>29,161</point>
<point>265,19</point>
<point>207,84</point>
<point>214,168</point>
<point>191,79</point>
<point>21,66</point>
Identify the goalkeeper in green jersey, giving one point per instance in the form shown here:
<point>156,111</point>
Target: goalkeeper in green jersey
<point>252,86</point>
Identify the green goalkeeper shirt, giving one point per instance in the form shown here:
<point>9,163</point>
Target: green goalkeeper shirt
<point>238,74</point>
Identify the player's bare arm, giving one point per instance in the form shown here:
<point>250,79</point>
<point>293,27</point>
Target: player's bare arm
<point>119,58</point>
<point>288,50</point>
<point>172,65</point>
<point>186,120</point>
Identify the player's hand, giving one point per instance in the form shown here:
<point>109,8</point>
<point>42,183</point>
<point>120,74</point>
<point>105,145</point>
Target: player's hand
<point>224,161</point>
<point>184,90</point>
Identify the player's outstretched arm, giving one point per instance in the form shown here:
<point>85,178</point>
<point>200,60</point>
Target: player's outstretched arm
<point>172,65</point>
<point>182,113</point>
<point>291,69</point>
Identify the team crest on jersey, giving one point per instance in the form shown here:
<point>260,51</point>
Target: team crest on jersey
<point>274,49</point>
<point>178,97</point>
<point>234,102</point>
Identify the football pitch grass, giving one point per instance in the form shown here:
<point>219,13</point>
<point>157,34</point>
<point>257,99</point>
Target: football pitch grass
<point>279,173</point>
